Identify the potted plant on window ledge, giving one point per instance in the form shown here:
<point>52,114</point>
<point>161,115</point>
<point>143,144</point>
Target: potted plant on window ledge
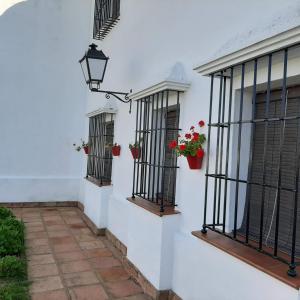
<point>135,150</point>
<point>116,150</point>
<point>191,147</point>
<point>84,146</point>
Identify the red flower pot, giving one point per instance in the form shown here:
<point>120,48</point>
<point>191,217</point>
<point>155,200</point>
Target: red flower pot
<point>195,163</point>
<point>135,153</point>
<point>116,150</point>
<point>86,149</point>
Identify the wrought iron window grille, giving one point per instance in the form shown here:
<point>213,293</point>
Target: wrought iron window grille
<point>157,123</point>
<point>101,135</point>
<point>253,161</point>
<point>106,15</point>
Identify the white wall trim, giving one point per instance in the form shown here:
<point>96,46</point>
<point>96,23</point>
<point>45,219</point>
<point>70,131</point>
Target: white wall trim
<point>101,111</point>
<point>162,86</point>
<point>276,42</point>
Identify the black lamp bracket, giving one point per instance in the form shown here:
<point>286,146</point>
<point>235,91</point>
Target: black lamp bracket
<point>121,96</point>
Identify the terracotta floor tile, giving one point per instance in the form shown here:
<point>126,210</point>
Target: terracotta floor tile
<point>69,256</point>
<point>57,222</point>
<point>34,224</point>
<point>35,229</point>
<point>91,245</point>
<point>42,270</point>
<point>40,259</point>
<point>124,288</point>
<point>70,247</point>
<point>104,262</point>
<point>62,233</point>
<point>73,220</point>
<point>57,227</point>
<point>31,219</point>
<point>89,292</point>
<point>75,266</point>
<point>54,295</point>
<point>85,237</point>
<point>45,284</point>
<point>80,278</point>
<point>113,274</point>
<point>36,235</point>
<point>62,240</point>
<point>137,297</point>
<point>37,242</point>
<point>100,252</point>
<point>78,226</point>
<point>52,218</point>
<point>45,249</point>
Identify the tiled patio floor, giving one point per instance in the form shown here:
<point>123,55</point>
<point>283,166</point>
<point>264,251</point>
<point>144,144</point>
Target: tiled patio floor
<point>67,261</point>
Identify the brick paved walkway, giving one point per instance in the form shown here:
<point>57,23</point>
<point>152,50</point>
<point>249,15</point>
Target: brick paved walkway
<point>67,261</point>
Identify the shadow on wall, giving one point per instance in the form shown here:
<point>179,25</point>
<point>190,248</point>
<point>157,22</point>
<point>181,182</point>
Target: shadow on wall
<point>42,96</point>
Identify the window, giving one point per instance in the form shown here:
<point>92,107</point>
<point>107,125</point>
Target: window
<point>106,15</point>
<point>252,174</point>
<point>101,133</point>
<point>157,123</point>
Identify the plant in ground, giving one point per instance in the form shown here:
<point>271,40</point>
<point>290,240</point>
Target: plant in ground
<point>11,237</point>
<point>5,213</point>
<point>191,144</point>
<point>12,267</point>
<point>14,291</point>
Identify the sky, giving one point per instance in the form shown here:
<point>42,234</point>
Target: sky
<point>6,4</point>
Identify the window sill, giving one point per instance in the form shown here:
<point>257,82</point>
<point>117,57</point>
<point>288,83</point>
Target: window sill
<point>264,263</point>
<point>97,182</point>
<point>152,207</point>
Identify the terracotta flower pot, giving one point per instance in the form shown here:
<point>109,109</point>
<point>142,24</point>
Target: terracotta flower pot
<point>86,149</point>
<point>116,150</point>
<point>135,153</point>
<point>195,163</point>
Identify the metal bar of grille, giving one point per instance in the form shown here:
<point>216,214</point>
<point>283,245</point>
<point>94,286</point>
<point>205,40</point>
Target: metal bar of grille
<point>227,150</point>
<point>218,148</point>
<point>208,152</point>
<point>282,137</point>
<point>135,141</point>
<point>251,150</point>
<point>267,111</point>
<point>236,204</point>
<point>221,147</point>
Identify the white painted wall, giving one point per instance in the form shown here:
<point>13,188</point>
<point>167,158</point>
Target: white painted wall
<point>42,98</point>
<point>150,38</point>
<point>43,106</point>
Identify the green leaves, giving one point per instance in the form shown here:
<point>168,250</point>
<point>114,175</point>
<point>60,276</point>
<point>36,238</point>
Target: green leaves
<point>12,267</point>
<point>5,213</point>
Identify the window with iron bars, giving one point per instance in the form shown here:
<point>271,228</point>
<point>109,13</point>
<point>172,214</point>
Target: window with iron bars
<point>157,124</point>
<point>252,172</point>
<point>101,135</point>
<point>106,15</point>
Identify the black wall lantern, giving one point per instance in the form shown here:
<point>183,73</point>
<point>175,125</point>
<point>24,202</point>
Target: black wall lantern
<point>93,66</point>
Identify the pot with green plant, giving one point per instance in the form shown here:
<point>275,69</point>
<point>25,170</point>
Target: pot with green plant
<point>116,149</point>
<point>191,147</point>
<point>135,150</point>
<point>84,146</point>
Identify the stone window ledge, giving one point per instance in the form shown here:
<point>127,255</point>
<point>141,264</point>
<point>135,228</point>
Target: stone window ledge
<point>152,207</point>
<point>97,181</point>
<point>263,262</point>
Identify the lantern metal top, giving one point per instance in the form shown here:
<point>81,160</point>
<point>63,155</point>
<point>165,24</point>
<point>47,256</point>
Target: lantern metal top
<point>94,53</point>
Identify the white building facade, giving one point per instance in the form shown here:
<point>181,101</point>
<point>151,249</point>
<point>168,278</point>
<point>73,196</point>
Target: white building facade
<point>185,61</point>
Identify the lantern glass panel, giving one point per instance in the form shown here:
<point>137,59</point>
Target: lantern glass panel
<point>97,68</point>
<point>85,70</point>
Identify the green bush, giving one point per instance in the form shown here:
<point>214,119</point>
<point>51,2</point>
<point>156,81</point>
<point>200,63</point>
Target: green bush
<point>12,267</point>
<point>14,291</point>
<point>5,213</point>
<point>11,240</point>
<point>13,224</point>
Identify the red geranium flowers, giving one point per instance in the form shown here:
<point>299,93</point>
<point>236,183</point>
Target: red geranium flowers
<point>192,144</point>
